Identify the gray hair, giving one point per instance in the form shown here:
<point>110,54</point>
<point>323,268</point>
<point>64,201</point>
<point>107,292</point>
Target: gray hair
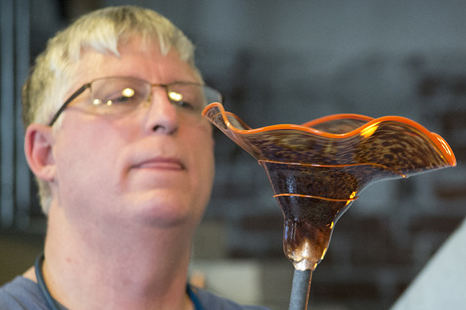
<point>102,30</point>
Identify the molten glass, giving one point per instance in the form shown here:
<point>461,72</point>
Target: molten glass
<point>318,169</point>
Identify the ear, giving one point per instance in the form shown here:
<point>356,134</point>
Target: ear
<point>38,143</point>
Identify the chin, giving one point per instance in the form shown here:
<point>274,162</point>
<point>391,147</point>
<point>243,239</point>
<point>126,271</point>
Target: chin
<point>167,212</point>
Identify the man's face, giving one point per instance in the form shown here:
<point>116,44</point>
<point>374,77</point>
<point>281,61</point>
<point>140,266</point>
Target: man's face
<point>150,165</point>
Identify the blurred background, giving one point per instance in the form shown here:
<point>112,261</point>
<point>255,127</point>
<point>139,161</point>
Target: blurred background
<point>282,62</point>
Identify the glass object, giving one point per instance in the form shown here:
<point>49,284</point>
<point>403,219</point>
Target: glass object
<point>319,168</point>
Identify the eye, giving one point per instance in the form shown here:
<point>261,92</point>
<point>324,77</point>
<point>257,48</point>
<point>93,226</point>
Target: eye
<point>174,96</point>
<point>118,97</point>
<point>127,95</point>
<point>180,100</point>
<point>128,92</point>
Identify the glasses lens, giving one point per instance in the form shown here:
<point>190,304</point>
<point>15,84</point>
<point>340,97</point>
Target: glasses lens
<point>118,95</point>
<point>192,98</point>
<point>188,97</point>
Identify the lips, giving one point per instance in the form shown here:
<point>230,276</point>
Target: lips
<point>161,163</point>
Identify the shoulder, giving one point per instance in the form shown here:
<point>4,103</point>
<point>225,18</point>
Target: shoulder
<point>211,302</point>
<point>21,293</point>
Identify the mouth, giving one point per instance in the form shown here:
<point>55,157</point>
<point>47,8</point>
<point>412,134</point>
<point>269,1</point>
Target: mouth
<point>161,164</point>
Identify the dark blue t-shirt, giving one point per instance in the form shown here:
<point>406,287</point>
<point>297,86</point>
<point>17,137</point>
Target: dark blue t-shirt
<point>24,294</point>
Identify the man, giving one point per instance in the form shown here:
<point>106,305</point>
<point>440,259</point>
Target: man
<point>125,166</point>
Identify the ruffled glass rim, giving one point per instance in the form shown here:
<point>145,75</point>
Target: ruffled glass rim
<point>372,123</point>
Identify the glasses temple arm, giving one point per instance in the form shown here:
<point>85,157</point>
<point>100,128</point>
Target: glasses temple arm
<point>67,102</point>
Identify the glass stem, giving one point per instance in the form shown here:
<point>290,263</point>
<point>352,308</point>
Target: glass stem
<point>300,289</point>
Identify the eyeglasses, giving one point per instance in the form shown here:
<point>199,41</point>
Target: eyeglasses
<point>120,95</point>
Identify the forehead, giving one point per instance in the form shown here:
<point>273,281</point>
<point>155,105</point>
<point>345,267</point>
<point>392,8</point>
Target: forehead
<point>136,59</point>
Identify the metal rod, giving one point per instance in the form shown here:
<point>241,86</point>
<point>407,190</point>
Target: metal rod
<point>300,289</point>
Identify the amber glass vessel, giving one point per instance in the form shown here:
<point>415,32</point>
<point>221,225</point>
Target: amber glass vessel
<point>319,168</point>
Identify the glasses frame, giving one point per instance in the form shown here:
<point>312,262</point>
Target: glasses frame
<point>152,85</point>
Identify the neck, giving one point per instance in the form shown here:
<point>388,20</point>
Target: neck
<point>124,268</point>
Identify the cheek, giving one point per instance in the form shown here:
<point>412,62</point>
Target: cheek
<point>204,143</point>
<point>202,150</point>
<point>86,153</point>
<point>208,162</point>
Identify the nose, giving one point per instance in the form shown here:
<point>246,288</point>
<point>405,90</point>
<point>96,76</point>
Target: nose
<point>162,116</point>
